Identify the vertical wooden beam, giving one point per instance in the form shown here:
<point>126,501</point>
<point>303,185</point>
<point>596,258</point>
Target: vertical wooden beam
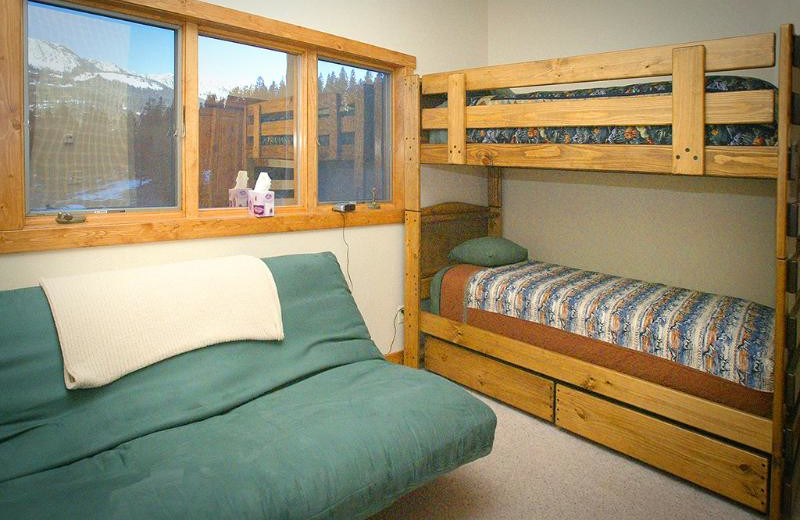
<point>399,100</point>
<point>688,110</point>
<point>495,199</point>
<point>413,228</point>
<point>12,163</point>
<point>456,119</point>
<point>784,121</point>
<point>413,221</point>
<point>784,117</point>
<point>411,131</point>
<point>191,123</point>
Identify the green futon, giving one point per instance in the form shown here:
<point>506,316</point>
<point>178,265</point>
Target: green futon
<point>315,426</point>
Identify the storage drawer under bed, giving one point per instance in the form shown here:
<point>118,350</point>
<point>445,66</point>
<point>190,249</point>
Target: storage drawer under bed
<point>509,384</point>
<point>729,470</point>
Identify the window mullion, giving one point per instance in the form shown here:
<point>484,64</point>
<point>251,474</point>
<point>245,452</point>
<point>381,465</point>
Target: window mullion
<point>310,135</point>
<point>191,123</point>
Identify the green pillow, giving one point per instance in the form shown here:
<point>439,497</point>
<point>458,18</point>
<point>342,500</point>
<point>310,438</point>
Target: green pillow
<point>488,252</point>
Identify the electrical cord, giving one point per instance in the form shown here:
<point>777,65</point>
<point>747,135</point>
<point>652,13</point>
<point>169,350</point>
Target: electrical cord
<point>347,253</point>
<point>394,325</point>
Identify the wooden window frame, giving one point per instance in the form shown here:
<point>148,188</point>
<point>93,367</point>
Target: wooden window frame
<point>20,232</point>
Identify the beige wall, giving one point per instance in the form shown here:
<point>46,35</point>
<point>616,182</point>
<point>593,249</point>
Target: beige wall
<point>442,34</point>
<point>709,234</point>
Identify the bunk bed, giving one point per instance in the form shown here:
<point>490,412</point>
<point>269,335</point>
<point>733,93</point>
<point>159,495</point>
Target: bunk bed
<point>737,439</point>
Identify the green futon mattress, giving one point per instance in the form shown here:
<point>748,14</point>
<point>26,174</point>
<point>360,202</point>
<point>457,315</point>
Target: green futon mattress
<point>314,426</point>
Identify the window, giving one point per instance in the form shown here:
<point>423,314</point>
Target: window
<point>101,129</point>
<point>353,133</point>
<point>248,119</point>
<point>141,116</point>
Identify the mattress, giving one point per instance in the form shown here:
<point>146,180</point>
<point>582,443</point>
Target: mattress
<point>716,135</point>
<point>716,347</point>
<point>315,426</point>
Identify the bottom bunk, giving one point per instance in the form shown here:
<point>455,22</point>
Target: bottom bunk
<point>678,379</point>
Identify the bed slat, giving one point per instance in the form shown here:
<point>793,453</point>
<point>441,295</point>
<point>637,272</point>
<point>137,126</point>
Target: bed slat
<point>721,161</point>
<point>741,52</point>
<point>753,106</point>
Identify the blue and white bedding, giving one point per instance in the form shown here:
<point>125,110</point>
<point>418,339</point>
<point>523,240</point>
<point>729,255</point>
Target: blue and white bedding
<point>720,335</point>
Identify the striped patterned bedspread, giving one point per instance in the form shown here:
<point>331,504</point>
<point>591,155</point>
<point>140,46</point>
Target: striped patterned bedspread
<point>724,336</point>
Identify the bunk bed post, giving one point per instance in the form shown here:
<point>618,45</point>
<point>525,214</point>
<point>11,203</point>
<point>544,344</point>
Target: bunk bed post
<point>456,119</point>
<point>495,199</point>
<point>688,110</point>
<point>413,222</point>
<point>778,406</point>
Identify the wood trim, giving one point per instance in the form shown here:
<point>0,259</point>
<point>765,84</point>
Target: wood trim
<point>741,52</point>
<point>12,167</point>
<point>411,141</point>
<point>411,313</point>
<point>752,106</point>
<point>744,428</point>
<point>720,161</point>
<point>191,122</point>
<point>157,230</point>
<point>215,16</point>
<point>730,471</point>
<point>688,110</point>
<point>456,123</point>
<point>395,357</point>
<point>521,389</point>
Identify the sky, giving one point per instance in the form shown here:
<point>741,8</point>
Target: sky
<point>104,38</point>
<point>222,64</point>
<point>229,64</point>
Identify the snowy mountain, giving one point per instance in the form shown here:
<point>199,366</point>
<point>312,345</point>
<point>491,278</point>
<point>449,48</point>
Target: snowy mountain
<point>53,63</point>
<point>51,56</point>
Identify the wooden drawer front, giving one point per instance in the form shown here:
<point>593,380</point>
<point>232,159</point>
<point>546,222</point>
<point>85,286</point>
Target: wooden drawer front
<point>730,471</point>
<point>511,385</point>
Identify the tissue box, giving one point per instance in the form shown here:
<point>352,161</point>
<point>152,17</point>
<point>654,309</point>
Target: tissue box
<point>237,197</point>
<point>261,203</point>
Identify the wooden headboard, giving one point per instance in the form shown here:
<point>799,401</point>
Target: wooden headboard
<point>444,226</point>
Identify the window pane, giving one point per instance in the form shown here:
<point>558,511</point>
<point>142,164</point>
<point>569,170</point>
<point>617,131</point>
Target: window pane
<point>247,119</point>
<point>101,112</point>
<point>353,133</point>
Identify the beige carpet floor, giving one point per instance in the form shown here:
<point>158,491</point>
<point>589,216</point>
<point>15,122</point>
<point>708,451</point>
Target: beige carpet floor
<point>537,471</point>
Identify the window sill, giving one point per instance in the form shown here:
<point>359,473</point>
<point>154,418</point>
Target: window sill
<point>43,234</point>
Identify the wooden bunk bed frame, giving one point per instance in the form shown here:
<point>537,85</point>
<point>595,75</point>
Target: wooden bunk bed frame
<point>747,458</point>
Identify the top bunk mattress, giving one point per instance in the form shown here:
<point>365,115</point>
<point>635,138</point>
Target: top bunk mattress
<point>722,336</point>
<point>716,135</point>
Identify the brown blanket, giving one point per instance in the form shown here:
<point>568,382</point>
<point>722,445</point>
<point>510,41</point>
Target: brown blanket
<point>637,364</point>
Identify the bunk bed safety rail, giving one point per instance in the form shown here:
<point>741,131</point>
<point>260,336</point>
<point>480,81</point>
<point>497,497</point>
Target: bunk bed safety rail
<point>688,109</point>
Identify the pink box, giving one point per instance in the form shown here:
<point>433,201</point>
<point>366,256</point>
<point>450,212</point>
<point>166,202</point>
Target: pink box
<point>261,204</point>
<point>237,197</point>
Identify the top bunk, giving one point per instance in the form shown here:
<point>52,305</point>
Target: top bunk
<point>693,124</point>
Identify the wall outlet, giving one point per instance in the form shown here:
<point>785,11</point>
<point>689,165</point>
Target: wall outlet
<point>402,311</point>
